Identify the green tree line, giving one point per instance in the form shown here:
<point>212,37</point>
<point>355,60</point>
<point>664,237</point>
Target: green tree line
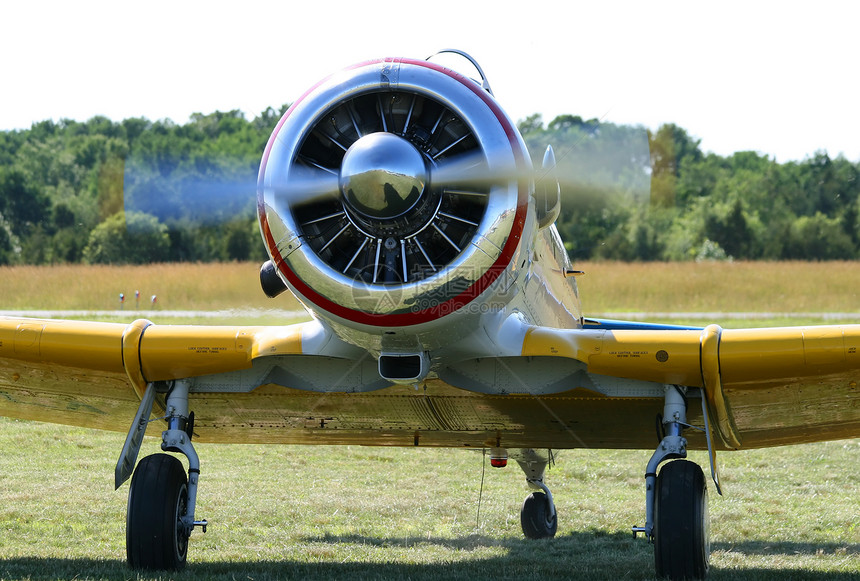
<point>634,194</point>
<point>141,191</point>
<point>132,191</point>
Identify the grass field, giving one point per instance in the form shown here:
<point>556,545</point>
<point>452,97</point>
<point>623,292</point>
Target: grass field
<point>775,287</point>
<point>378,513</point>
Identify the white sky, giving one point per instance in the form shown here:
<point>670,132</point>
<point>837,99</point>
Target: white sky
<point>777,77</point>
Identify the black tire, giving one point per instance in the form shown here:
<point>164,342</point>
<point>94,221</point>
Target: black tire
<point>681,529</point>
<point>536,518</point>
<point>157,500</point>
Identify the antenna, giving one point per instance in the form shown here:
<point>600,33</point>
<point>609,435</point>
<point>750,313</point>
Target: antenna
<point>484,83</point>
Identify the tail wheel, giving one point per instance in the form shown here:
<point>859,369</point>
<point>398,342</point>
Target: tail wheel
<point>681,529</point>
<point>157,500</point>
<point>537,517</point>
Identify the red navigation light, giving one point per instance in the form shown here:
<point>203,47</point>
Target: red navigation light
<point>498,457</point>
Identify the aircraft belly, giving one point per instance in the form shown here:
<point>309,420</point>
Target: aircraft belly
<point>439,415</point>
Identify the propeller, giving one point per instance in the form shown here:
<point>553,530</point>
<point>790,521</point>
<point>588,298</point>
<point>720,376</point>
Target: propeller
<point>219,196</point>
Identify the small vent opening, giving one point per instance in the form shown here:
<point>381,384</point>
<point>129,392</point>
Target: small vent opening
<point>402,368</point>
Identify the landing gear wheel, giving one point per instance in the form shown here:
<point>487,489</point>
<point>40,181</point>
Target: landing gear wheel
<point>536,517</point>
<point>681,536</point>
<point>155,537</point>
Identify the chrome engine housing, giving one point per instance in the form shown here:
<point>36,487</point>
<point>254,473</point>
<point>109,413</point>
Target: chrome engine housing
<point>380,244</point>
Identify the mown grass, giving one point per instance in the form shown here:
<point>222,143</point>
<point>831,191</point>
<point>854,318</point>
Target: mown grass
<point>368,513</point>
<point>376,513</point>
<point>379,513</point>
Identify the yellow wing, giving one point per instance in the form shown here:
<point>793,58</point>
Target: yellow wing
<point>765,387</point>
<point>94,374</point>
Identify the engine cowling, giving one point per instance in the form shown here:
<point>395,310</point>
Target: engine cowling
<point>365,198</point>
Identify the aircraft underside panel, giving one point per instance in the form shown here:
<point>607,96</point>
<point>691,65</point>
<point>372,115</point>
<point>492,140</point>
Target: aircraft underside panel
<point>807,410</point>
<point>439,415</point>
<point>67,395</point>
<point>435,414</point>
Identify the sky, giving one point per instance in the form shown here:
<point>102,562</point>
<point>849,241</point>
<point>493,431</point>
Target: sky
<point>779,78</point>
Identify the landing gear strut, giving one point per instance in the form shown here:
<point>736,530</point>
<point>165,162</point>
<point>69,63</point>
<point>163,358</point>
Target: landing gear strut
<point>676,501</point>
<point>161,499</point>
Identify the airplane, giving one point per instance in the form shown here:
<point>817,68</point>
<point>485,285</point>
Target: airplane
<point>398,202</point>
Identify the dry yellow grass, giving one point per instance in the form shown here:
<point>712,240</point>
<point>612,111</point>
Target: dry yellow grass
<point>789,287</point>
<point>210,286</point>
<point>607,286</point>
